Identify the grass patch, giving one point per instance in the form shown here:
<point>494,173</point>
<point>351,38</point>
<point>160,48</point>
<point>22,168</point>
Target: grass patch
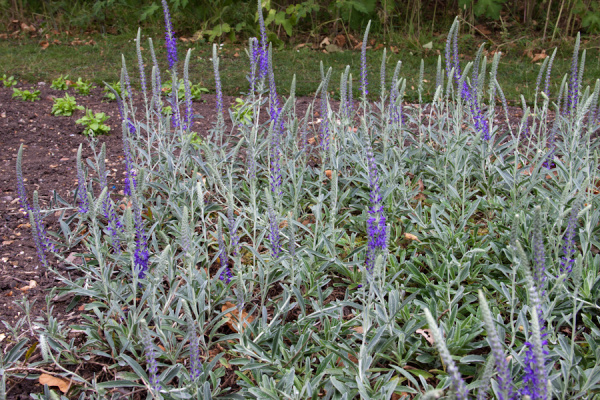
<point>28,61</point>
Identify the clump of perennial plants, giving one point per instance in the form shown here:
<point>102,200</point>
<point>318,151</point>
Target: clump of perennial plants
<point>231,266</point>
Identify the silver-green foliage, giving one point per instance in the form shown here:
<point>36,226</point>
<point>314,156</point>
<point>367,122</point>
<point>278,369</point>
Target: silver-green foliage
<point>311,321</point>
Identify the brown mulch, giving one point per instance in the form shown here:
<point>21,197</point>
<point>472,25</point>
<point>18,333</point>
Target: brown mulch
<point>49,164</point>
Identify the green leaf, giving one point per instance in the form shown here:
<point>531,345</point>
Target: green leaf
<point>118,384</point>
<point>149,11</point>
<point>135,366</point>
<point>490,8</point>
<point>287,26</point>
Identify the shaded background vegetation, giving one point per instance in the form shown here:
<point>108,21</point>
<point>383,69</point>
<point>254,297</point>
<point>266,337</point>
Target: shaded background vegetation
<point>236,19</point>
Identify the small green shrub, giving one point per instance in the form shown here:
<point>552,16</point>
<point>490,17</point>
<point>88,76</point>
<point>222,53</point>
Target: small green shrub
<point>83,87</point>
<point>94,123</point>
<point>9,81</point>
<point>65,106</point>
<point>195,90</point>
<point>60,83</point>
<point>26,95</point>
<point>242,114</point>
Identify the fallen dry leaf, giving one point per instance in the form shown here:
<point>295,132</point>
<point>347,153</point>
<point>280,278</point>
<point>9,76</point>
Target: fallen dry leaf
<point>539,56</point>
<point>483,29</point>
<point>27,28</point>
<point>410,236</point>
<point>325,42</point>
<point>426,333</point>
<point>328,173</point>
<point>62,384</point>
<point>44,44</point>
<point>32,284</point>
<point>420,196</point>
<point>340,40</point>
<point>358,329</point>
<point>233,317</point>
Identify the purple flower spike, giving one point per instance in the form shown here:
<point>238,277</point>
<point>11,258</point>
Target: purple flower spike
<point>568,259</point>
<point>275,153</point>
<point>130,182</point>
<point>141,253</point>
<point>274,234</point>
<point>376,227</point>
<point>226,275</point>
<point>254,55</point>
<point>195,363</point>
<point>535,380</point>
<point>170,37</point>
<point>151,361</point>
<point>21,182</point>
<point>263,51</point>
<point>81,191</point>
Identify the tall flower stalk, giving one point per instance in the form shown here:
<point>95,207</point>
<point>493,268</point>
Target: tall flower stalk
<point>218,89</point>
<point>363,64</point>
<point>456,381</point>
<point>325,136</point>
<point>504,377</point>
<point>376,224</point>
<point>573,97</point>
<point>151,362</point>
<point>141,253</point>
<point>84,205</point>
<point>38,229</point>
<point>568,249</point>
<point>170,39</point>
<point>22,193</point>
<point>226,275</point>
<point>263,51</point>
<point>274,234</point>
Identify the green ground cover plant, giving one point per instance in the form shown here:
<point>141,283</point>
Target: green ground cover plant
<point>65,106</point>
<point>83,87</point>
<point>94,123</point>
<point>378,250</point>
<point>60,83</point>
<point>8,81</point>
<point>26,95</point>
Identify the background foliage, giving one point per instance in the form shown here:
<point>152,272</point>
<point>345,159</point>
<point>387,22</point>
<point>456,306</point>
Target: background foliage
<point>218,19</point>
